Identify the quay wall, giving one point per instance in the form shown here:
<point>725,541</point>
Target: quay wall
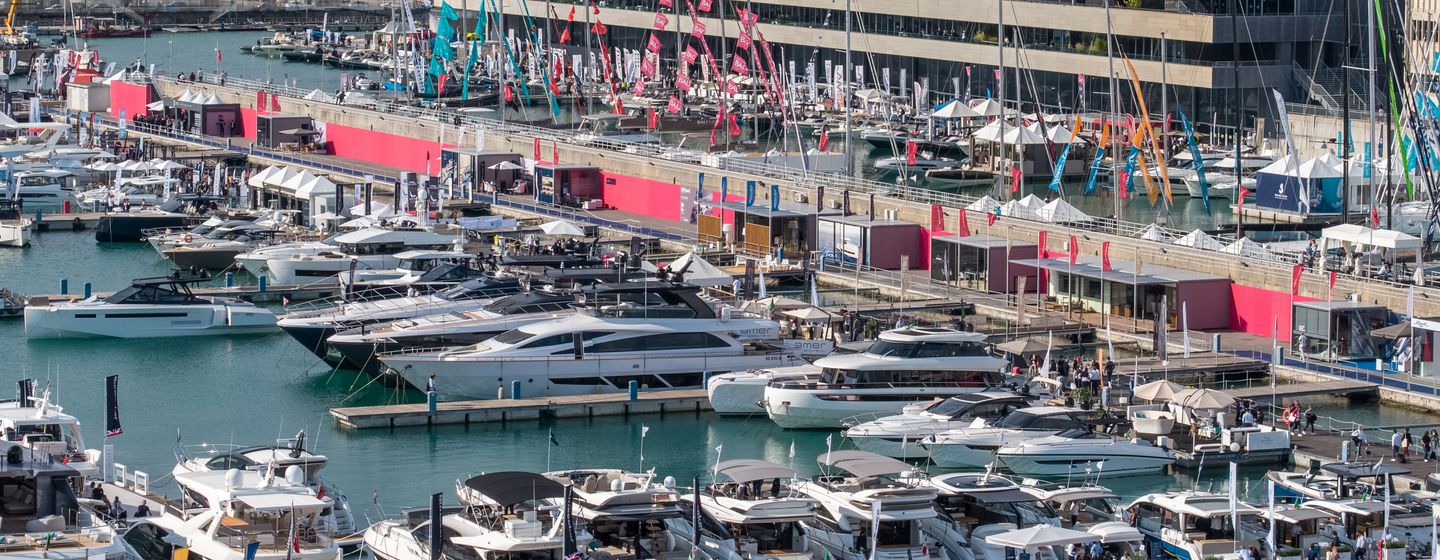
<point>1246,273</point>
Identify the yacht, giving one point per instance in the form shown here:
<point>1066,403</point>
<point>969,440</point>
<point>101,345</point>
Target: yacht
<point>255,260</point>
<point>740,392</point>
<point>365,249</point>
<point>505,515</point>
<point>336,519</point>
<point>976,504</point>
<point>625,511</point>
<point>151,307</point>
<point>360,345</point>
<point>1193,525</point>
<point>1182,165</point>
<point>166,238</point>
<point>217,250</point>
<point>44,515</point>
<point>14,227</point>
<point>313,322</point>
<point>1335,481</point>
<point>894,436</point>
<point>43,188</point>
<point>976,447</point>
<point>1074,452</point>
<point>1079,507</point>
<point>859,489</point>
<point>41,426</point>
<point>1223,172</point>
<point>605,346</point>
<point>605,130</point>
<point>904,366</point>
<point>222,512</point>
<point>753,514</point>
<point>411,267</point>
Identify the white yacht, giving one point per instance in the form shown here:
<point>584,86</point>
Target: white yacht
<point>337,520</point>
<point>43,188</point>
<point>740,392</point>
<point>412,265</point>
<point>41,426</point>
<point>1072,452</point>
<point>312,323</point>
<point>1223,172</point>
<point>900,435</point>
<point>860,489</point>
<point>1182,165</point>
<point>975,504</point>
<point>222,512</point>
<point>623,510</point>
<point>366,249</point>
<point>504,515</point>
<point>976,447</point>
<point>603,347</point>
<point>904,366</point>
<point>255,260</point>
<point>1194,526</point>
<point>1079,507</point>
<point>151,307</point>
<point>753,515</point>
<point>45,515</point>
<point>14,227</point>
<point>1335,481</point>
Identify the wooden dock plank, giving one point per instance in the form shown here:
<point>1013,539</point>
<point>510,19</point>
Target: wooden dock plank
<point>506,410</point>
<point>1337,387</point>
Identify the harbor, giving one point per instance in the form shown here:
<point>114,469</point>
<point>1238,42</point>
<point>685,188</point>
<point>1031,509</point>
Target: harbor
<point>614,281</point>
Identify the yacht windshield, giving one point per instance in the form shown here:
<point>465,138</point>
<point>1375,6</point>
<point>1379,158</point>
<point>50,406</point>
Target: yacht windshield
<point>955,408</point>
<point>1021,420</point>
<point>891,349</point>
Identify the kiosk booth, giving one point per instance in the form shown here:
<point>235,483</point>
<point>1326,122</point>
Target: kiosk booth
<point>979,262</point>
<point>873,243</point>
<point>567,184</point>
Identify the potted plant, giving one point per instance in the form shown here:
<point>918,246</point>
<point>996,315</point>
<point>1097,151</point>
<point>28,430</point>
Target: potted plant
<point>1393,549</point>
<point>1287,553</point>
<point>1084,397</point>
<point>1344,551</point>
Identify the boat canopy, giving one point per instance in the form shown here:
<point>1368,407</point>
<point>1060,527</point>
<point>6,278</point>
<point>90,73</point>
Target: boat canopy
<point>749,470</point>
<point>513,487</point>
<point>863,464</point>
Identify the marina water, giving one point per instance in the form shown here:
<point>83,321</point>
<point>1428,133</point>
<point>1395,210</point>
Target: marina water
<point>251,390</point>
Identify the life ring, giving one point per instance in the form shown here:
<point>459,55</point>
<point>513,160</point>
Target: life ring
<point>187,238</point>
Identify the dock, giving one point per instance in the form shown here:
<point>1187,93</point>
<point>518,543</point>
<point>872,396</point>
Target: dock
<point>1311,389</point>
<point>57,221</point>
<point>507,410</point>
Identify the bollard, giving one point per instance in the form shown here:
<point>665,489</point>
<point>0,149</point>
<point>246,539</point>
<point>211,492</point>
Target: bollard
<point>229,279</point>
<point>1277,356</point>
<point>87,290</point>
<point>1345,451</point>
<point>1215,343</point>
<point>705,381</point>
<point>634,390</point>
<point>64,286</point>
<point>38,215</point>
<point>499,393</point>
<point>515,389</point>
<point>431,398</point>
<point>262,283</point>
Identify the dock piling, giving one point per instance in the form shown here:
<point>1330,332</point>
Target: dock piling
<point>262,283</point>
<point>634,390</point>
<point>431,399</point>
<point>515,389</point>
<point>86,288</point>
<point>229,279</point>
<point>64,282</point>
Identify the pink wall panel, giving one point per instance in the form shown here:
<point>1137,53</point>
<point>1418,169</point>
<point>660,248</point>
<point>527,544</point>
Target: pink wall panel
<point>1256,310</point>
<point>382,148</point>
<point>247,122</point>
<point>727,216</point>
<point>656,199</point>
<point>131,97</point>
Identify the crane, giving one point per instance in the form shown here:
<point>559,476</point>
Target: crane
<point>10,18</point>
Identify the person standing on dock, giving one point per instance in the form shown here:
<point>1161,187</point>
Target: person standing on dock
<point>1394,448</point>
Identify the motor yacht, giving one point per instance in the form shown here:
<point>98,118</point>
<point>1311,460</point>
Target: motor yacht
<point>1182,165</point>
<point>411,267</point>
<point>312,323</point>
<point>605,346</point>
<point>1407,517</point>
<point>218,252</point>
<point>43,188</point>
<point>740,392</point>
<point>337,519</point>
<point>1073,452</point>
<point>255,261</point>
<point>222,512</point>
<point>151,307</point>
<point>366,249</point>
<point>129,227</point>
<point>1223,172</point>
<point>860,494</point>
<point>504,515</point>
<point>980,503</point>
<point>976,447</point>
<point>1194,525</point>
<point>904,366</point>
<point>900,435</point>
<point>1334,481</point>
<point>625,511</point>
<point>752,514</point>
<point>42,426</point>
<point>44,515</point>
<point>14,227</point>
<point>1080,506</point>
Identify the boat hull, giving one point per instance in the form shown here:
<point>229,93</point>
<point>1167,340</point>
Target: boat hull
<point>93,321</point>
<point>130,228</point>
<point>1056,463</point>
<point>827,409</point>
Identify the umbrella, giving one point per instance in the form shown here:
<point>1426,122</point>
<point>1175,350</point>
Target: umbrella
<point>561,228</point>
<point>166,165</point>
<point>954,110</point>
<point>1203,399</point>
<point>1161,390</point>
<point>506,165</point>
<point>1023,346</point>
<point>1397,331</point>
<point>1036,537</point>
<point>813,314</point>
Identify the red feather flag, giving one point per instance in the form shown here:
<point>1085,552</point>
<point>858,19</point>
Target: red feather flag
<point>674,105</point>
<point>911,148</point>
<point>734,124</point>
<point>1074,249</point>
<point>1105,256</point>
<point>824,140</point>
<point>964,224</point>
<point>1015,183</point>
<point>652,118</point>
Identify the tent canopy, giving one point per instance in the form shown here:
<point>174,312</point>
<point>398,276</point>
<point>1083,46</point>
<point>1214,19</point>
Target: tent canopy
<point>1036,537</point>
<point>513,487</point>
<point>984,204</point>
<point>863,464</point>
<point>954,110</point>
<point>700,272</point>
<point>1153,232</point>
<point>749,470</point>
<point>1160,390</point>
<point>1060,212</point>
<point>1245,247</point>
<point>1203,399</point>
<point>1199,240</point>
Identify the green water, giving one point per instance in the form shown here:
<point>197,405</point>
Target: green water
<point>253,389</point>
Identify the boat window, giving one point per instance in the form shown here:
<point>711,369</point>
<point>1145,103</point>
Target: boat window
<point>906,376</point>
<point>655,342</point>
<point>566,338</point>
<point>225,463</point>
<point>893,533</point>
<point>150,295</point>
<point>512,336</point>
<point>927,349</point>
<point>955,407</point>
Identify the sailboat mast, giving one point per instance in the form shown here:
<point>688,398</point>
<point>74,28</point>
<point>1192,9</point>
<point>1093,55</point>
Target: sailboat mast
<point>1344,122</point>
<point>1164,100</point>
<point>1239,114</point>
<point>501,66</point>
<point>1370,116</point>
<point>845,90</point>
<point>1000,86</point>
<point>589,74</point>
<point>1115,159</point>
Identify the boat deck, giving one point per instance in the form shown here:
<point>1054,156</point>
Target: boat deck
<point>507,410</point>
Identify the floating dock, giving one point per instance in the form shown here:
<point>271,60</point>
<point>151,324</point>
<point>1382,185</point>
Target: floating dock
<point>1308,389</point>
<point>507,410</point>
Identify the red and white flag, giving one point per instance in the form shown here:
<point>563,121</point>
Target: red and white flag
<point>739,66</point>
<point>1074,249</point>
<point>682,82</point>
<point>674,106</point>
<point>743,41</point>
<point>537,149</point>
<point>653,44</point>
<point>218,58</point>
<point>705,5</point>
<point>1015,182</point>
<point>652,118</point>
<point>1105,257</point>
<point>667,3</point>
<point>661,22</point>
<point>734,124</point>
<point>689,55</point>
<point>697,29</point>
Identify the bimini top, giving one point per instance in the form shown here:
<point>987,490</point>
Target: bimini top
<point>749,470</point>
<point>512,487</point>
<point>1364,469</point>
<point>930,334</point>
<point>1196,504</point>
<point>863,464</point>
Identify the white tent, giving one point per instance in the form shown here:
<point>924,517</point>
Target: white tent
<point>1153,232</point>
<point>156,106</point>
<point>1024,135</point>
<point>1391,239</point>
<point>294,182</point>
<point>1345,233</point>
<point>377,210</point>
<point>1061,135</point>
<point>699,272</point>
<point>984,204</point>
<point>186,97</point>
<point>988,107</point>
<point>990,132</point>
<point>561,227</point>
<point>954,110</point>
<point>1061,212</point>
<point>279,177</point>
<point>1325,166</point>
<point>1199,240</point>
<point>166,165</point>
<point>318,95</point>
<point>1286,165</point>
<point>1036,537</point>
<point>1026,208</point>
<point>1247,248</point>
<point>258,180</point>
<point>316,187</point>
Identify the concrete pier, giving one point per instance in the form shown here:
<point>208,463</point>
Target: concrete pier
<point>507,410</point>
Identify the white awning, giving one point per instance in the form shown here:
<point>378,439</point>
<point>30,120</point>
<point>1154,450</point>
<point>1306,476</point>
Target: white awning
<point>281,502</point>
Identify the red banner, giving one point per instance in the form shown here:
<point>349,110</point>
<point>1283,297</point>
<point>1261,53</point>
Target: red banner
<point>1040,244</point>
<point>639,88</point>
<point>992,216</point>
<point>1295,279</point>
<point>667,3</point>
<point>555,152</point>
<point>689,55</point>
<point>1015,183</point>
<point>743,41</point>
<point>599,27</point>
<point>260,104</point>
<point>661,22</point>
<point>964,223</point>
<point>911,149</point>
<point>1105,257</point>
<point>1074,249</point>
<point>731,87</point>
<point>565,36</point>
<point>647,67</point>
<point>734,124</point>
<point>705,5</point>
<point>1333,276</point>
<point>674,105</point>
<point>937,218</point>
<point>748,18</point>
<point>653,44</point>
<point>739,66</point>
<point>697,29</point>
<point>824,140</point>
<point>537,150</point>
<point>682,82</point>
<point>275,102</point>
<point>652,118</point>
